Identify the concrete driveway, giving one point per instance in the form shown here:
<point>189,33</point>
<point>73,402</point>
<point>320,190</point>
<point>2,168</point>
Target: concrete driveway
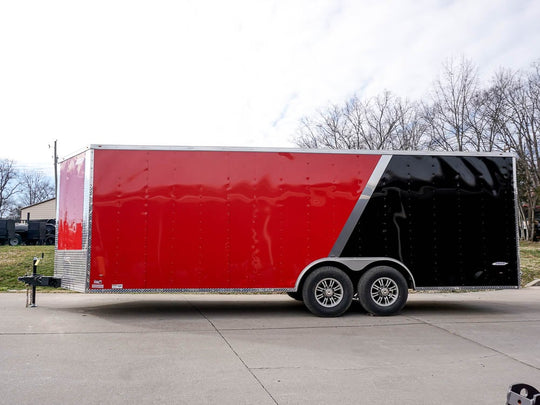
<point>464,348</point>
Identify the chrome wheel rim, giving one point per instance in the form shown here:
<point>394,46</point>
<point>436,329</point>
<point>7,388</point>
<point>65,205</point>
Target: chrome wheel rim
<point>329,292</point>
<point>384,291</point>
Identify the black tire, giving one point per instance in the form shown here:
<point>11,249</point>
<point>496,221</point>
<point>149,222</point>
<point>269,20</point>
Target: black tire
<point>295,295</point>
<point>383,291</point>
<point>328,292</point>
<point>15,241</point>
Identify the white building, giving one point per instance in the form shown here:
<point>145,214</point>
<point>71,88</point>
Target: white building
<point>43,210</point>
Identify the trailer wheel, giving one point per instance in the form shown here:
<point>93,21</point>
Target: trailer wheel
<point>328,291</point>
<point>15,241</point>
<point>382,291</point>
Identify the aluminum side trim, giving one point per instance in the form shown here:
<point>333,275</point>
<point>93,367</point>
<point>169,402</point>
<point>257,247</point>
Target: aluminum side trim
<point>360,206</point>
<point>88,210</point>
<point>189,290</point>
<point>278,150</point>
<point>516,214</point>
<point>469,288</point>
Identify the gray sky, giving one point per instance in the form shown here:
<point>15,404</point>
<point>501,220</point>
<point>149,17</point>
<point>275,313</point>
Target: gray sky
<point>221,73</point>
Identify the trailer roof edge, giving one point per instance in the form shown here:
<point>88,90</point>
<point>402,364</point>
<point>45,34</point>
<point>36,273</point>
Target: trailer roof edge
<point>75,153</point>
<point>278,149</point>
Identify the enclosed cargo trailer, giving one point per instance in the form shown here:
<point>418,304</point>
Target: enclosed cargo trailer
<point>324,226</point>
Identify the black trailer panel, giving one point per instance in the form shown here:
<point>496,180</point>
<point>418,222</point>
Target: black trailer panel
<point>450,219</point>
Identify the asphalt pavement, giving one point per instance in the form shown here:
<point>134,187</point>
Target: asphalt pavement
<point>445,348</point>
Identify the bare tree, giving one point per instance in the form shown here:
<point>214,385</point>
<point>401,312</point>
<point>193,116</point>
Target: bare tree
<point>327,130</point>
<point>487,107</point>
<point>411,128</point>
<point>448,114</point>
<point>8,185</point>
<point>519,125</point>
<point>382,118</point>
<point>374,124</point>
<point>355,112</point>
<point>34,187</point>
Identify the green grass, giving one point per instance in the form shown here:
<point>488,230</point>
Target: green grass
<point>530,261</point>
<point>16,261</point>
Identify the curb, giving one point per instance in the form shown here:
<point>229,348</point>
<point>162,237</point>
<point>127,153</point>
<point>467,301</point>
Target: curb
<point>534,283</point>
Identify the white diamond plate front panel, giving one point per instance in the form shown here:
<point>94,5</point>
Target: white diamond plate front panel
<point>72,267</point>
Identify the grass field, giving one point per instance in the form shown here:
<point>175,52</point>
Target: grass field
<point>530,261</point>
<point>17,261</point>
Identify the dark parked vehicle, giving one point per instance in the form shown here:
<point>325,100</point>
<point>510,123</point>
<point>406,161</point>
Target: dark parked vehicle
<point>36,232</point>
<point>7,232</point>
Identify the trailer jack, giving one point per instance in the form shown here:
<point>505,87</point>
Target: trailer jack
<point>35,280</point>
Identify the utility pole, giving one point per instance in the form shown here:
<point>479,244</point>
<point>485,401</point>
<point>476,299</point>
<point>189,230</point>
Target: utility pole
<point>55,172</point>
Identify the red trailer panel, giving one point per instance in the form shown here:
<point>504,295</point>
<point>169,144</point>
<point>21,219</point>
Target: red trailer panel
<point>71,204</point>
<point>217,220</point>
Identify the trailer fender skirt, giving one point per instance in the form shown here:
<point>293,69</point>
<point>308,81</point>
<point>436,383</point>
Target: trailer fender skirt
<point>357,264</point>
